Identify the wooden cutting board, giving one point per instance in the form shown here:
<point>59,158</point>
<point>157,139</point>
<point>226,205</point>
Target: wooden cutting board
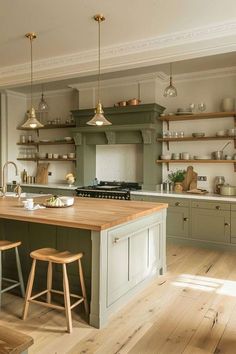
<point>190,181</point>
<point>42,173</point>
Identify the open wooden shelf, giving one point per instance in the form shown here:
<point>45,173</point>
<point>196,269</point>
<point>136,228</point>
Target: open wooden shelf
<point>197,161</point>
<point>62,142</point>
<point>50,126</point>
<point>190,138</point>
<point>204,115</point>
<point>46,159</point>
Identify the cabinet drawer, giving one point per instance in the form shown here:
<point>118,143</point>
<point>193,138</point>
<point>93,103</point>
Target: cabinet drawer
<point>210,205</point>
<point>173,202</point>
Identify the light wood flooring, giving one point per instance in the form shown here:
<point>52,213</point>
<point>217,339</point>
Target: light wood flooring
<point>189,310</point>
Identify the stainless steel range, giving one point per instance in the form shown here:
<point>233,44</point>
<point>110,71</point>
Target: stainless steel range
<point>108,190</point>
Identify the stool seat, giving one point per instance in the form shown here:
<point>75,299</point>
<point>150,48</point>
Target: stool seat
<point>55,256</point>
<point>7,245</point>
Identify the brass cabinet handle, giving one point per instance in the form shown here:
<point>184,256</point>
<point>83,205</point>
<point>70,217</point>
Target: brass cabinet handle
<point>217,207</point>
<point>116,240</point>
<point>185,219</point>
<point>177,204</point>
<point>227,224</point>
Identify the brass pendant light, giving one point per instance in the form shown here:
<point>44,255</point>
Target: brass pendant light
<point>99,119</point>
<point>31,122</point>
<point>170,90</point>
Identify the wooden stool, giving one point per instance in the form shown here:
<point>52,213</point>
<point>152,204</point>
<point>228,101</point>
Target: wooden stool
<point>7,245</point>
<point>52,255</point>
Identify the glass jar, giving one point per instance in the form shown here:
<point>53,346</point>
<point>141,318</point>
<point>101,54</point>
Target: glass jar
<point>219,181</point>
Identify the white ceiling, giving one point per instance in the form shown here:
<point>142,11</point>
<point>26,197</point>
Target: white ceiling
<point>66,28</point>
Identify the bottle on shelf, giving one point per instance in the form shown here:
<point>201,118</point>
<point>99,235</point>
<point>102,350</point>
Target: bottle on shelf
<point>24,176</point>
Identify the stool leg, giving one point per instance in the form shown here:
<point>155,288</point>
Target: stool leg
<point>81,276</point>
<point>29,289</point>
<point>67,299</point>
<point>0,279</point>
<point>49,282</point>
<point>20,277</point>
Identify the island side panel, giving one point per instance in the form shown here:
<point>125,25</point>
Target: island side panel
<point>124,259</point>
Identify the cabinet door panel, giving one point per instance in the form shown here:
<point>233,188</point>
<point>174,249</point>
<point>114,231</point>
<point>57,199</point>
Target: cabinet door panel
<point>177,224</point>
<point>154,246</point>
<point>210,225</point>
<point>233,226</point>
<point>118,268</point>
<point>138,256</point>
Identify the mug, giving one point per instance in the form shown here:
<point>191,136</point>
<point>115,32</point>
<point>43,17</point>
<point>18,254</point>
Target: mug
<point>185,156</point>
<point>28,203</point>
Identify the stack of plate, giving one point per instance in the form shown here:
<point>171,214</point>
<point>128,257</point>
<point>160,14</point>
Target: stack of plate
<point>202,157</point>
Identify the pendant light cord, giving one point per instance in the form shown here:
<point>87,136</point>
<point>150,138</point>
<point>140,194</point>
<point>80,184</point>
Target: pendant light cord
<point>99,57</point>
<point>170,74</point>
<point>31,76</point>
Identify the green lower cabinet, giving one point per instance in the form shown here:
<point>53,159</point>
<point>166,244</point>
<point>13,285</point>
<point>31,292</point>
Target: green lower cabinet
<point>233,227</point>
<point>201,221</point>
<point>177,224</point>
<point>210,225</point>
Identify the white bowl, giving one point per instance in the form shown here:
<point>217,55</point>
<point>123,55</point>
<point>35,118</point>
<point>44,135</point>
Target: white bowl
<point>68,138</point>
<point>68,201</point>
<point>165,157</point>
<point>221,133</point>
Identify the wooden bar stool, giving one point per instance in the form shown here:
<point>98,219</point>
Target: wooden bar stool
<point>7,245</point>
<point>51,256</point>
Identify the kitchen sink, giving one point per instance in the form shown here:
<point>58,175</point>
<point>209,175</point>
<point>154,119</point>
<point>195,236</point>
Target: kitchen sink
<point>25,195</point>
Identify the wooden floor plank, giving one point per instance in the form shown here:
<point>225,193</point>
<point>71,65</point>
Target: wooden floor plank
<point>190,310</point>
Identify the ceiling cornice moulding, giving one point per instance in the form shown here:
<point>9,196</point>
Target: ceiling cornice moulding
<point>165,48</point>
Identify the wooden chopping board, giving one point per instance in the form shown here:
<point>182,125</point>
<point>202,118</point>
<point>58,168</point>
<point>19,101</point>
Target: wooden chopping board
<point>190,181</point>
<point>42,173</point>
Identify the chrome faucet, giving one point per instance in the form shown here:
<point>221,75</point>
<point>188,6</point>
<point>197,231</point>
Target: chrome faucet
<point>4,183</point>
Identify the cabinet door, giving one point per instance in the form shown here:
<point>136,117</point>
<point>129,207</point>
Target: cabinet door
<point>233,226</point>
<point>211,225</point>
<point>177,223</point>
<point>118,267</point>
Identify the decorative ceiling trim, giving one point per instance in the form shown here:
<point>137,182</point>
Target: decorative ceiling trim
<point>207,40</point>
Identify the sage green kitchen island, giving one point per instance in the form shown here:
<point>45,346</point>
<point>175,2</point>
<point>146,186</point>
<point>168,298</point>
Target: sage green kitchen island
<point>124,245</point>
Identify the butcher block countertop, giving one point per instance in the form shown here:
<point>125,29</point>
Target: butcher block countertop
<point>86,213</point>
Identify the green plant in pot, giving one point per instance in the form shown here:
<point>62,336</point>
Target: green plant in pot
<point>177,178</point>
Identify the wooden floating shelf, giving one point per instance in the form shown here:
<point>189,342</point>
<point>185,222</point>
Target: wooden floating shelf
<point>63,142</point>
<point>46,159</point>
<point>196,161</point>
<point>190,138</point>
<point>50,126</point>
<point>207,115</point>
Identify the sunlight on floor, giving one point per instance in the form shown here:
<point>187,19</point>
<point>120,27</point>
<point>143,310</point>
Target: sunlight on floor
<point>219,286</point>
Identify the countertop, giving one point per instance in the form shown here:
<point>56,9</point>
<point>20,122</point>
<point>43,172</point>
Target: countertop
<point>86,213</point>
<point>208,196</point>
<point>49,185</point>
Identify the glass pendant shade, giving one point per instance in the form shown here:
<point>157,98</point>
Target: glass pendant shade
<point>43,106</point>
<point>31,122</point>
<point>99,119</point>
<point>170,91</point>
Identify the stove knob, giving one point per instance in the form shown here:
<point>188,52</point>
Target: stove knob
<point>123,197</point>
<point>88,195</point>
<point>119,197</point>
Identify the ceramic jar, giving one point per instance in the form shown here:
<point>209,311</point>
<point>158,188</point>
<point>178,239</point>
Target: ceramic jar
<point>228,104</point>
<point>178,187</point>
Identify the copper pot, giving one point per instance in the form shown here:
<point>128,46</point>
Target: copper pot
<point>133,102</point>
<point>121,104</point>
